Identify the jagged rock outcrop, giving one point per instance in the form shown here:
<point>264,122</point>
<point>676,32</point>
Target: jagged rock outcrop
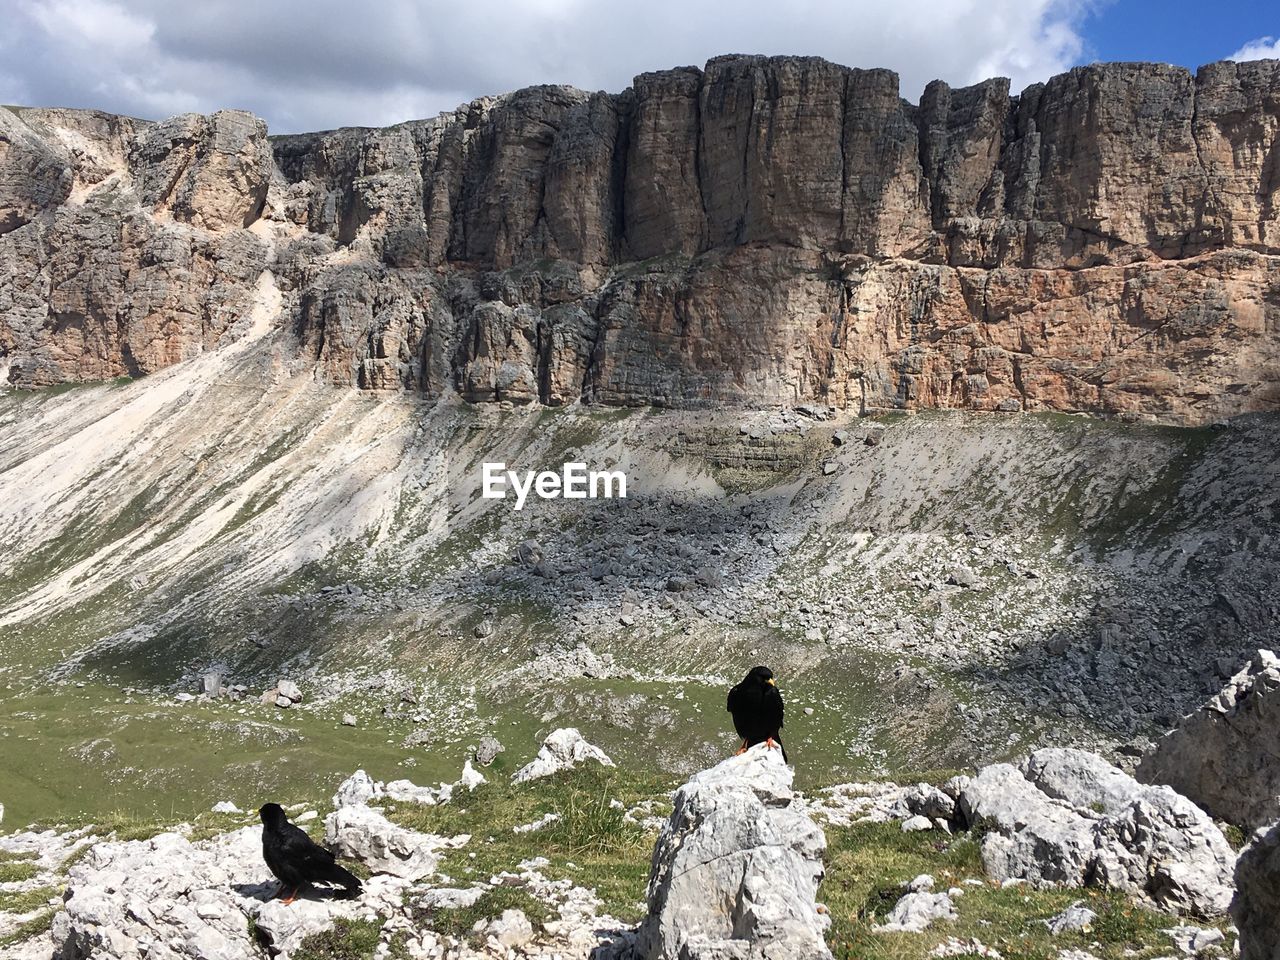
<point>126,252</point>
<point>1226,756</point>
<point>1068,817</point>
<point>1256,907</point>
<point>766,229</point>
<point>561,750</point>
<point>170,898</point>
<point>211,172</point>
<point>362,833</point>
<point>736,869</point>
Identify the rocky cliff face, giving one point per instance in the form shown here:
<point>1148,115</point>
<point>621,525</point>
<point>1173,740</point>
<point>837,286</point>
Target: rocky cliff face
<point>762,230</point>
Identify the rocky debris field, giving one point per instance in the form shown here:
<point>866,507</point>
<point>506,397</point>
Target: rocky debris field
<point>960,589</point>
<point>1062,856</point>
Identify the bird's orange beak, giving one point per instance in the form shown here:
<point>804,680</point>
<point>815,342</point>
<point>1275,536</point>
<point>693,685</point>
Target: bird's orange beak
<point>772,682</point>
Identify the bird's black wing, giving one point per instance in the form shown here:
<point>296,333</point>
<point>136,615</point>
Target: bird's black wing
<point>771,708</point>
<point>306,856</point>
<point>274,857</point>
<point>734,702</point>
<point>739,705</point>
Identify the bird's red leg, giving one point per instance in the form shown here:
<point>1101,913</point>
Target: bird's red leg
<point>742,749</point>
<point>292,897</point>
<point>771,744</point>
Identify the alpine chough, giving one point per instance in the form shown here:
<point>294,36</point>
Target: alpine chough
<point>296,860</point>
<point>756,705</point>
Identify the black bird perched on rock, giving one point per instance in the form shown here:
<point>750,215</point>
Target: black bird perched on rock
<point>296,860</point>
<point>756,705</point>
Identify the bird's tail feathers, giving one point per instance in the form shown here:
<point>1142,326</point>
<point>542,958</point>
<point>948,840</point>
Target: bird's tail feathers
<point>349,881</point>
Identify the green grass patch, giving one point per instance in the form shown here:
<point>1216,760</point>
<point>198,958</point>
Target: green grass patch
<point>460,923</point>
<point>139,764</point>
<point>592,843</point>
<point>24,901</point>
<point>17,871</point>
<point>346,940</point>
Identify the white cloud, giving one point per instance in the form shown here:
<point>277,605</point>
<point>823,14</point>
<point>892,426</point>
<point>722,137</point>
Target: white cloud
<point>93,24</point>
<point>1264,48</point>
<point>309,64</point>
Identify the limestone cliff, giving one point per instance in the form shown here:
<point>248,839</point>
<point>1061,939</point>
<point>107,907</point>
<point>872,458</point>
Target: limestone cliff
<point>763,230</point>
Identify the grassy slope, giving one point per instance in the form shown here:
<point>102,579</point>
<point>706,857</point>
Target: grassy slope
<point>109,754</point>
<point>68,747</point>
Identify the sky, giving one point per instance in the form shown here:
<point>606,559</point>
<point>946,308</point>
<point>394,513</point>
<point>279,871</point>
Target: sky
<point>318,64</point>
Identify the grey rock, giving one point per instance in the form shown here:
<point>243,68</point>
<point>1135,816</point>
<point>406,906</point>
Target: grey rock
<point>562,749</point>
<point>451,898</point>
<point>361,833</point>
<point>964,577</point>
<point>736,869</point>
<point>528,554</point>
<point>211,684</point>
<point>925,800</point>
<point>1075,918</point>
<point>487,750</point>
<point>512,929</point>
<point>359,788</point>
<point>916,911</point>
<point>1226,756</point>
<point>1193,941</point>
<point>1068,817</point>
<point>1256,906</point>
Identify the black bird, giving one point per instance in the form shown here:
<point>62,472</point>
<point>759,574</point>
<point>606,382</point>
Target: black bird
<point>296,860</point>
<point>756,705</point>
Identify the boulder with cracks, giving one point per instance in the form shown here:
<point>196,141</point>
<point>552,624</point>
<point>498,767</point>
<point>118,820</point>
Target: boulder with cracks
<point>168,899</point>
<point>736,869</point>
<point>563,749</point>
<point>1068,817</point>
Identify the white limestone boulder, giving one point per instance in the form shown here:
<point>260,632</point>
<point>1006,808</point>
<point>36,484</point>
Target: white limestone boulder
<point>736,869</point>
<point>563,749</point>
<point>1068,817</point>
<point>362,833</point>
